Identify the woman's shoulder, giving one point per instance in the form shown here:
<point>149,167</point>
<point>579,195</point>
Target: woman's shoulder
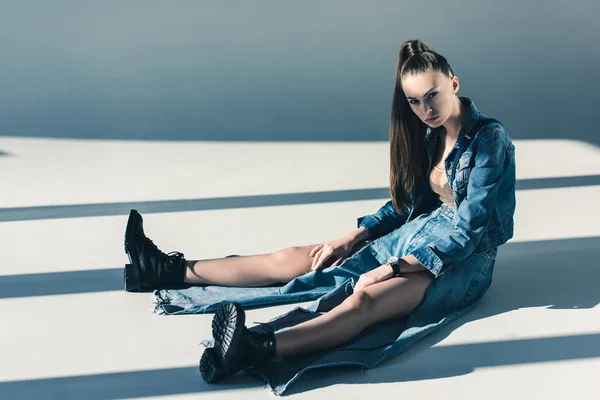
<point>488,126</point>
<point>490,129</point>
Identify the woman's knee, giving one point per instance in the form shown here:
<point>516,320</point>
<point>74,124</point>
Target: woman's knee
<point>361,301</point>
<point>392,298</point>
<point>293,261</point>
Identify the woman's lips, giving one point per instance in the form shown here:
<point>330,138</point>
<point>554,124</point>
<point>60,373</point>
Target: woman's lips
<point>431,119</point>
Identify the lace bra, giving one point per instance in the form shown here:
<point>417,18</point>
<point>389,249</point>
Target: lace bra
<point>439,184</point>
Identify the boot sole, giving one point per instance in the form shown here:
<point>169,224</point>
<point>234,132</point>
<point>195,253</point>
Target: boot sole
<point>210,371</point>
<point>228,330</point>
<point>131,273</point>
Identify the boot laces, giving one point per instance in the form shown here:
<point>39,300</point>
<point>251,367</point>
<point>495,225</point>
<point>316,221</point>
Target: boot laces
<point>174,258</point>
<point>264,338</point>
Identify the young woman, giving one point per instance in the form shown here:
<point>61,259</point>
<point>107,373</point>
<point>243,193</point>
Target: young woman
<point>427,254</point>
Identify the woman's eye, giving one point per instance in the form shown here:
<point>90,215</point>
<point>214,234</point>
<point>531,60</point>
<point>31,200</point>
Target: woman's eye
<point>429,96</point>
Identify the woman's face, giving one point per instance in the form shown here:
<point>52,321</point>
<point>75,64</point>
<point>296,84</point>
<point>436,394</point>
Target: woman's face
<point>431,95</point>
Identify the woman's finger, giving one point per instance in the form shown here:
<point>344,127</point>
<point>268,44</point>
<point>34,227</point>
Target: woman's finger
<point>321,255</point>
<point>358,286</point>
<point>362,283</point>
<point>315,249</point>
<point>316,259</point>
<point>322,258</point>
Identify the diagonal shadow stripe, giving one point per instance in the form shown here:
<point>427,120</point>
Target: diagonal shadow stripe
<point>67,282</point>
<point>446,361</point>
<point>217,203</point>
<point>121,385</point>
<point>223,203</point>
<point>111,279</point>
<point>554,183</point>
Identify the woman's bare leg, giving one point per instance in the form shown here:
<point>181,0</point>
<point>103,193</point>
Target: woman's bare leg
<point>393,298</point>
<point>255,270</point>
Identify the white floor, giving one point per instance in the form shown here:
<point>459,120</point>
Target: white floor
<point>68,330</point>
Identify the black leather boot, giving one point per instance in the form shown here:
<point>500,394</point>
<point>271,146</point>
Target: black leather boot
<point>235,347</point>
<point>149,268</point>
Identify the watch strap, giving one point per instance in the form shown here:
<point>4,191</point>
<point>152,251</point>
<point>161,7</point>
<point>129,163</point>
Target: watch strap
<point>395,268</point>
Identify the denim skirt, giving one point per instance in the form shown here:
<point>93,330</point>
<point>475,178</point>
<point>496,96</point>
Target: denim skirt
<point>453,293</point>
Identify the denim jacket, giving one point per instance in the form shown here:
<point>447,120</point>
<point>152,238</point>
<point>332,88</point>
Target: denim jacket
<point>481,172</point>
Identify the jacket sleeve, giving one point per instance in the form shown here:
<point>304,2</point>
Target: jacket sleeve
<point>473,213</point>
<point>383,221</point>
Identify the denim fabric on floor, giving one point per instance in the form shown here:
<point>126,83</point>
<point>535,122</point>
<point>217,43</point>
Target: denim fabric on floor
<point>452,294</point>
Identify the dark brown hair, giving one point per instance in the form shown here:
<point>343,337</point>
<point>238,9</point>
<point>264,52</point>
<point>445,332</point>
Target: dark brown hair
<point>408,156</point>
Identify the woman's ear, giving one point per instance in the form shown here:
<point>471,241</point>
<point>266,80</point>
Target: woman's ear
<point>455,84</point>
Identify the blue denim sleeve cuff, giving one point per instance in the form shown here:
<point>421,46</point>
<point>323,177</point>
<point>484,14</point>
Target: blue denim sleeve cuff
<point>368,222</point>
<point>426,256</point>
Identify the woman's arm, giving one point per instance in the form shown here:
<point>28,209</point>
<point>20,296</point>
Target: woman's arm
<point>385,220</point>
<point>358,235</point>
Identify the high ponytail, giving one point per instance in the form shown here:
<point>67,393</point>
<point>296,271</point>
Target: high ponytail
<point>408,156</point>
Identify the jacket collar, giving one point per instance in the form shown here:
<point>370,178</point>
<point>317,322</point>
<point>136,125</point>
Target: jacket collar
<point>471,118</point>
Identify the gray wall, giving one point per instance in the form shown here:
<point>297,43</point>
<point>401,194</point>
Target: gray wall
<point>286,70</point>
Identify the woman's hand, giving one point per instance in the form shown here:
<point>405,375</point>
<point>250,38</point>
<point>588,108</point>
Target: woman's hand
<point>331,253</point>
<point>379,274</point>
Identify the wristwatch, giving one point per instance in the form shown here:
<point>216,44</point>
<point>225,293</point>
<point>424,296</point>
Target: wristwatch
<point>393,262</point>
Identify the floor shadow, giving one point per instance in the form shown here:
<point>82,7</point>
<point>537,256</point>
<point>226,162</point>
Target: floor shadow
<point>555,274</point>
<point>121,385</point>
<point>427,363</point>
<point>559,182</point>
<point>224,203</point>
<point>66,282</point>
<point>111,279</point>
<point>216,203</point>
